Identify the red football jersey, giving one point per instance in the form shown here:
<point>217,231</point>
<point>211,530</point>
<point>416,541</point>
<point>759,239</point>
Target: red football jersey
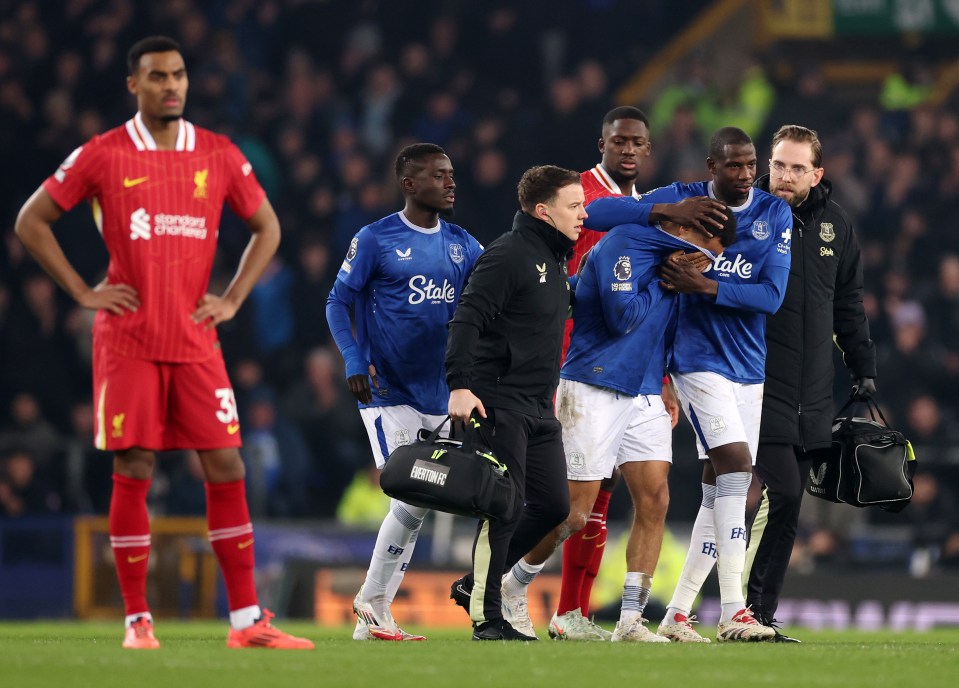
<point>159,214</point>
<point>596,184</point>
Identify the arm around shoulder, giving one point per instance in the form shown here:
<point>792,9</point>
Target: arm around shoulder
<point>610,211</point>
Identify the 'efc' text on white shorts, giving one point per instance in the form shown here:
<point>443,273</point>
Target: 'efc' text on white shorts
<point>603,429</point>
<point>720,411</point>
<point>389,427</point>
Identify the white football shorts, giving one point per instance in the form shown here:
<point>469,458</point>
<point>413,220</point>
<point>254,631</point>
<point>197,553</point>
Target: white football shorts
<point>603,429</point>
<point>389,427</point>
<point>720,411</point>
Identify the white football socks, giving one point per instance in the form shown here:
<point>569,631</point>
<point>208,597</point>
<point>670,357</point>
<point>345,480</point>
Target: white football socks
<point>636,589</point>
<point>392,551</point>
<point>730,519</point>
<point>128,620</point>
<point>518,578</point>
<point>245,617</point>
<point>401,565</point>
<point>700,558</point>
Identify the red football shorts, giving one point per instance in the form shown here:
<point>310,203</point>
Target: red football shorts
<point>162,406</point>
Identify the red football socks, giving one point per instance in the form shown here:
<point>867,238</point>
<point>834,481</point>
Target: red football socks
<point>598,532</point>
<point>231,536</point>
<point>582,553</point>
<point>130,540</point>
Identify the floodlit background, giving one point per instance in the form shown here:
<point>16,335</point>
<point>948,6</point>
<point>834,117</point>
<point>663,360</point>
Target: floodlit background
<point>320,95</point>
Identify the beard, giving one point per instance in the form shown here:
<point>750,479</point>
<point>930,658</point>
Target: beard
<point>798,200</point>
<point>795,200</point>
<point>447,213</point>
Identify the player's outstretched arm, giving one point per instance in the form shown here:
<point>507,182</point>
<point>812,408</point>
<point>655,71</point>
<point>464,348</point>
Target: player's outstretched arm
<point>701,212</point>
<point>265,228</point>
<point>34,229</point>
<point>610,211</point>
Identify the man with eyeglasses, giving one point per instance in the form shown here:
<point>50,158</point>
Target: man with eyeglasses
<point>823,301</point>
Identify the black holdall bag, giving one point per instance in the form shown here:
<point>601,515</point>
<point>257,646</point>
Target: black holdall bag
<point>450,475</point>
<point>869,463</point>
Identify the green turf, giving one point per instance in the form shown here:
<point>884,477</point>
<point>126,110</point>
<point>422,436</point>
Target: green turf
<point>193,654</point>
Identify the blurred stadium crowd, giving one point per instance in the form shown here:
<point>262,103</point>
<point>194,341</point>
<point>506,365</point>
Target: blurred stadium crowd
<point>320,96</point>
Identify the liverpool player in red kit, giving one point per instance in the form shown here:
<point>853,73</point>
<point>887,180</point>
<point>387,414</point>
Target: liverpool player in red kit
<point>157,186</point>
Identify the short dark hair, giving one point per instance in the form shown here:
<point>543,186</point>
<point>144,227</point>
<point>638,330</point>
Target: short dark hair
<point>151,44</point>
<point>800,134</point>
<point>540,184</point>
<point>625,112</point>
<point>727,235</point>
<point>727,136</point>
<point>411,159</point>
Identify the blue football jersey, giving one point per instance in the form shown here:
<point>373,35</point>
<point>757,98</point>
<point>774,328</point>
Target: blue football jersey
<point>406,281</point>
<point>623,317</point>
<point>728,336</point>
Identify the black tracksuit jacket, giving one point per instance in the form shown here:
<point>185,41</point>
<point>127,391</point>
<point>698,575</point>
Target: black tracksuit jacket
<point>823,299</point>
<point>506,335</point>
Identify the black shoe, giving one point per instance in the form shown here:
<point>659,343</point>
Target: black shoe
<point>783,638</point>
<point>780,637</point>
<point>461,591</point>
<point>499,629</point>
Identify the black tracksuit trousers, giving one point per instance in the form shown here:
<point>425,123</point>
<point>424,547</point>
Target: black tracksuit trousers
<point>532,449</point>
<point>783,469</point>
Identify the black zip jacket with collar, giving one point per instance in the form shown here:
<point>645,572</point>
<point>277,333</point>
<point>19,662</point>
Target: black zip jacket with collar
<point>823,300</point>
<point>506,335</point>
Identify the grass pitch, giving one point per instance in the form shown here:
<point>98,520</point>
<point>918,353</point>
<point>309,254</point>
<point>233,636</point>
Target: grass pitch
<point>68,654</point>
